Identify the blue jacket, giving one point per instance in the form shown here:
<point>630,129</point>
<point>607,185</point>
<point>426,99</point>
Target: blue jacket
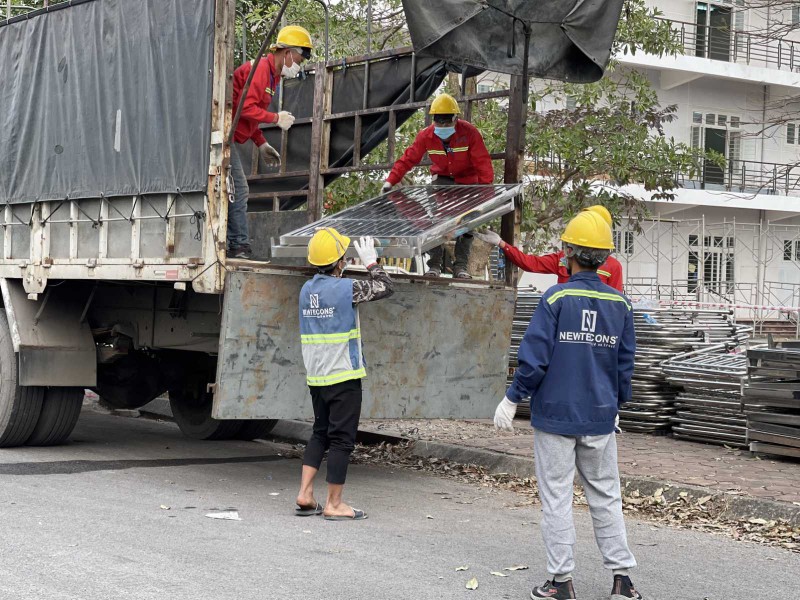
<point>576,359</point>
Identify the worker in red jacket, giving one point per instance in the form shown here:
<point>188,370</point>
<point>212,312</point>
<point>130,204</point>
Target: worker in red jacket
<point>292,48</point>
<point>610,272</point>
<point>459,157</point>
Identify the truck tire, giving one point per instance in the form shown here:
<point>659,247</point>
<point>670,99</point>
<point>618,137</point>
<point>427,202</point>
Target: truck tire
<point>193,416</point>
<point>255,429</point>
<point>61,408</point>
<point>19,406</point>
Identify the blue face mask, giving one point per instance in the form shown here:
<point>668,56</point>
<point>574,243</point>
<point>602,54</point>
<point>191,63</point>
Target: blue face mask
<point>444,132</point>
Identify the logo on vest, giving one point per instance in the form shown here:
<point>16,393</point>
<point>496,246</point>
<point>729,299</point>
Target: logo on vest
<point>589,320</point>
<point>314,311</point>
<point>587,333</point>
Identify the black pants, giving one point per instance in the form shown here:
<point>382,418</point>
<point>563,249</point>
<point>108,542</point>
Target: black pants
<point>463,243</point>
<point>337,409</point>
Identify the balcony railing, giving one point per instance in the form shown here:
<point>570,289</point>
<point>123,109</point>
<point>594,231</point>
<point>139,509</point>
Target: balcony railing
<point>747,176</point>
<point>739,47</point>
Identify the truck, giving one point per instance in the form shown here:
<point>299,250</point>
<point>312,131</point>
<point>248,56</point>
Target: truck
<point>115,120</point>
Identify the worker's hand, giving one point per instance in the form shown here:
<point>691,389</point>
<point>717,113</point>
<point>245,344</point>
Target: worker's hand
<point>285,120</point>
<point>616,424</point>
<point>387,187</point>
<point>504,415</point>
<point>488,236</point>
<point>366,251</point>
<point>269,155</point>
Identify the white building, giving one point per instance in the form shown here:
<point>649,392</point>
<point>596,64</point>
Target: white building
<point>733,234</point>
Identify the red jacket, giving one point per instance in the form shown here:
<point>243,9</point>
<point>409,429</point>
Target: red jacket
<point>259,96</point>
<point>467,161</point>
<point>610,272</point>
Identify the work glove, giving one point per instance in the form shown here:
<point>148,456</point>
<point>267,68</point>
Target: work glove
<point>366,251</point>
<point>488,236</point>
<point>269,155</point>
<point>285,119</point>
<point>616,425</point>
<point>504,415</point>
<point>387,187</point>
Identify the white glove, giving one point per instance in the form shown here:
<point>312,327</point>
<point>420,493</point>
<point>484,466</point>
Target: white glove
<point>488,236</point>
<point>285,119</point>
<point>366,251</point>
<point>269,155</point>
<point>504,415</point>
<point>387,187</point>
<point>616,425</point>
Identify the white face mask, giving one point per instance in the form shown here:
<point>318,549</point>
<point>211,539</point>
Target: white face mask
<point>290,72</point>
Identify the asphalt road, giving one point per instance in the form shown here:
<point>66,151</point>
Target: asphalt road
<point>85,521</point>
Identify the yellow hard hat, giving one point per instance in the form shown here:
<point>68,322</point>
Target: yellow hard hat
<point>294,36</point>
<point>326,247</point>
<point>444,104</point>
<point>603,212</point>
<point>588,229</point>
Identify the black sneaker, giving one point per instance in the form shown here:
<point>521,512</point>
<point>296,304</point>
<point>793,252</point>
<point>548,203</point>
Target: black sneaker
<point>623,589</point>
<point>240,252</point>
<point>558,591</point>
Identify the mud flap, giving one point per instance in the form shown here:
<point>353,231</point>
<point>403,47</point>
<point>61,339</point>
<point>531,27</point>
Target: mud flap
<point>433,350</point>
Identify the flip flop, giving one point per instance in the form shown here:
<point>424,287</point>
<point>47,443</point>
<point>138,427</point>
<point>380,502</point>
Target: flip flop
<point>308,512</point>
<point>358,515</point>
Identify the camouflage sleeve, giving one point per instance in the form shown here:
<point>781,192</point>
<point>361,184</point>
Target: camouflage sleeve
<point>378,286</point>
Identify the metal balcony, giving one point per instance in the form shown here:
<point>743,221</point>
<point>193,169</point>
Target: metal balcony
<point>741,47</point>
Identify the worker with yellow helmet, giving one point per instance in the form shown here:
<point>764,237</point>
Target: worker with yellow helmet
<point>330,337</point>
<point>556,263</point>
<point>459,157</point>
<point>575,363</point>
<point>291,49</point>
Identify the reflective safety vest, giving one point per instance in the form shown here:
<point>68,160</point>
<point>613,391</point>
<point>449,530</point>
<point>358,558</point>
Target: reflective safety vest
<point>330,333</point>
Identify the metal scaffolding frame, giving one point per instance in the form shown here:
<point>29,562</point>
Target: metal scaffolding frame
<point>732,261</point>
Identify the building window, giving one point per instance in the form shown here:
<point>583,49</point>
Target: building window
<point>791,250</point>
<point>623,242</point>
<point>796,15</point>
<point>572,102</point>
<point>484,88</point>
<point>792,134</point>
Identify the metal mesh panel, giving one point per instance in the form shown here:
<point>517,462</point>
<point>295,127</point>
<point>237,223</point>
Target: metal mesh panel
<point>410,220</point>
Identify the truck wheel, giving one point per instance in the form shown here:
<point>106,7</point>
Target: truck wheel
<point>19,406</point>
<point>61,408</point>
<point>255,429</point>
<point>193,416</point>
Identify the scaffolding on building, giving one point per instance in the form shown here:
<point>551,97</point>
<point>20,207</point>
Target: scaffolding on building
<point>754,267</point>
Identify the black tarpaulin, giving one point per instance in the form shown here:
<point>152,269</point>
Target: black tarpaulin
<point>570,39</point>
<point>106,98</point>
<point>389,84</point>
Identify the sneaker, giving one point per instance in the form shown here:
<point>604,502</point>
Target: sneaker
<point>463,275</point>
<point>623,589</point>
<point>240,252</point>
<point>551,589</point>
<point>433,273</point>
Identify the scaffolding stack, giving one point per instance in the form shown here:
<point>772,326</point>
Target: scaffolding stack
<point>708,407</point>
<point>661,334</point>
<point>772,399</point>
<point>527,301</point>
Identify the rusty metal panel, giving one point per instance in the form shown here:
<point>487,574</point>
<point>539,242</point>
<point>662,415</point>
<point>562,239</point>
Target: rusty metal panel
<point>433,350</point>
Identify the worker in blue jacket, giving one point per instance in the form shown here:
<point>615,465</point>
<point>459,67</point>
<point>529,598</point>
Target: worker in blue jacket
<point>576,363</point>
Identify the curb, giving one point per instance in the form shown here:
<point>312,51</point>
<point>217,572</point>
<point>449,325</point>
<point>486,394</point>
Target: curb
<point>736,507</point>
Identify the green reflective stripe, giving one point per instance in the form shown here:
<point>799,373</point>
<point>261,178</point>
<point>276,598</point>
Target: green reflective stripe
<point>330,338</point>
<point>606,273</point>
<point>336,377</point>
<point>588,294</point>
<point>437,152</point>
<point>461,149</point>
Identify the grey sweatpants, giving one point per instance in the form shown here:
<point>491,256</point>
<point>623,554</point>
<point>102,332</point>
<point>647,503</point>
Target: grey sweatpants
<point>595,457</point>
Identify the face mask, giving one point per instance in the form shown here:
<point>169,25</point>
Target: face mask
<point>290,72</point>
<point>444,132</point>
